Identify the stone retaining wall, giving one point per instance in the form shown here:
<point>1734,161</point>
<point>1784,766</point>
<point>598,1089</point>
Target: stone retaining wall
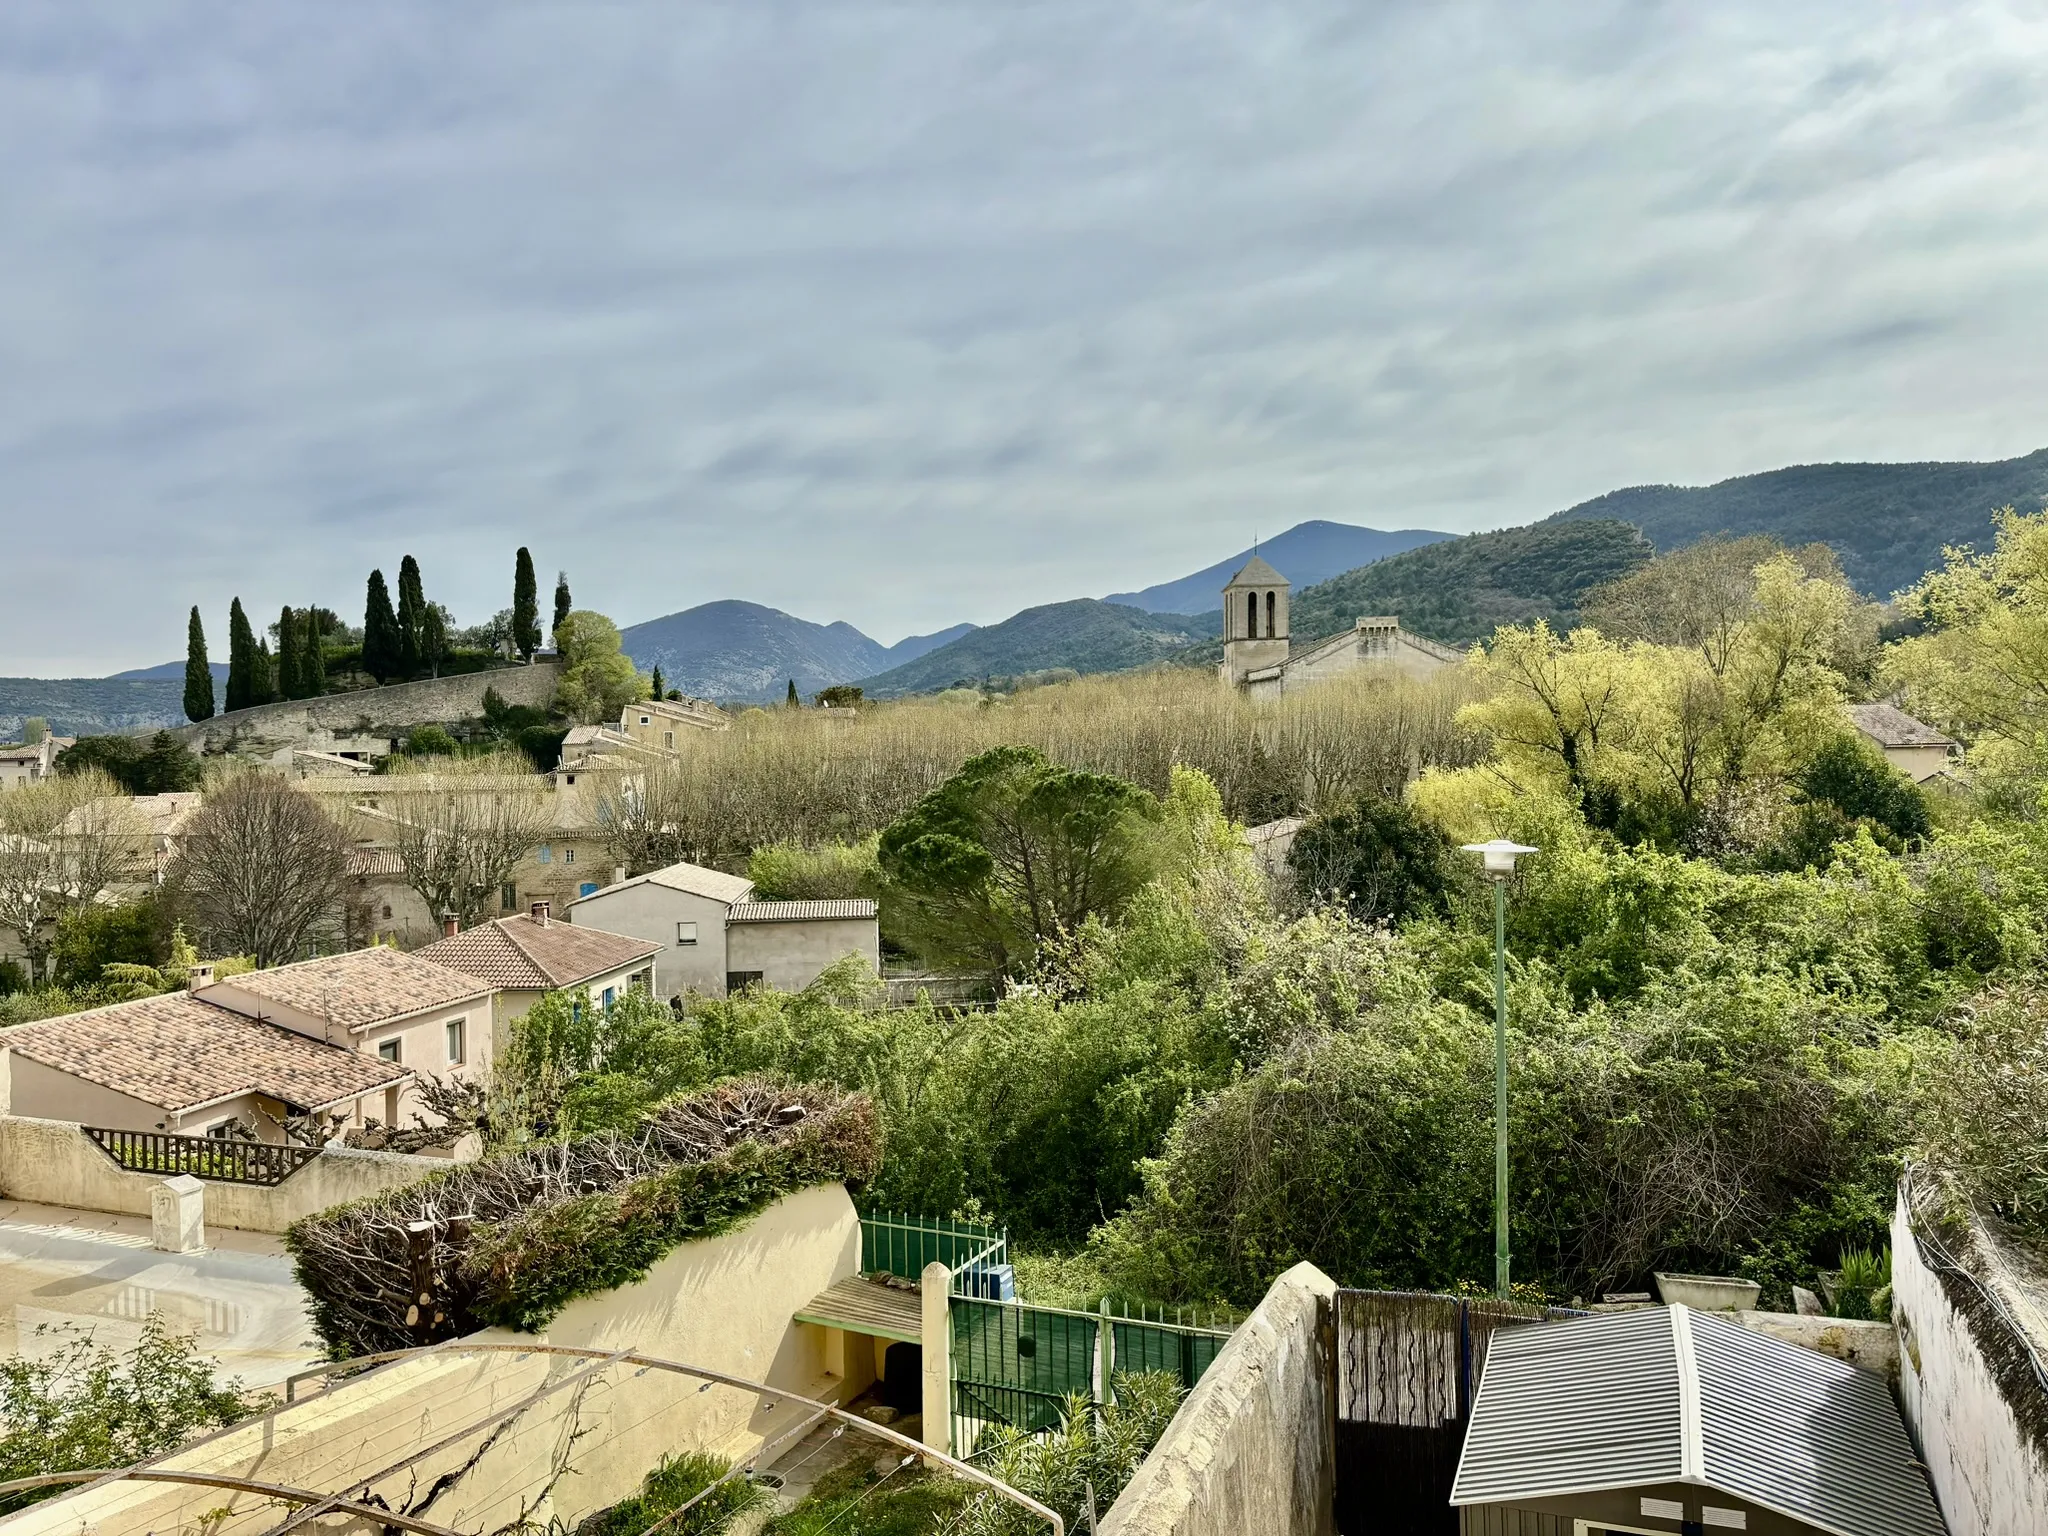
<point>384,714</point>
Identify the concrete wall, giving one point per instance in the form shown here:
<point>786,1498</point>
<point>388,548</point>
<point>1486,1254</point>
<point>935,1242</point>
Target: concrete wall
<point>1989,1477</point>
<point>1251,1448</point>
<point>51,1162</point>
<point>1872,1347</point>
<point>651,912</point>
<point>724,1303</point>
<point>791,956</point>
<point>383,713</point>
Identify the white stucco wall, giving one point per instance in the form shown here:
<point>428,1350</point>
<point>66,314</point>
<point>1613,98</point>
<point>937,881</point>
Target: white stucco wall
<point>1988,1477</point>
<point>790,956</point>
<point>725,1303</point>
<point>651,912</point>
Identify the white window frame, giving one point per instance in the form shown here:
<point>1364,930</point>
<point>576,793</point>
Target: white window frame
<point>455,1033</point>
<point>686,935</point>
<point>568,855</point>
<point>392,1049</point>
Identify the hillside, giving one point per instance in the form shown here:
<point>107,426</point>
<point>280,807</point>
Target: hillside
<point>1084,634</point>
<point>1887,522</point>
<point>737,650</point>
<point>91,706</point>
<point>165,669</point>
<point>1306,553</point>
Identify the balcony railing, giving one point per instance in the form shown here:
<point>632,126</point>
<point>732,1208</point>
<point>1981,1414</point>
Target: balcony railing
<point>204,1157</point>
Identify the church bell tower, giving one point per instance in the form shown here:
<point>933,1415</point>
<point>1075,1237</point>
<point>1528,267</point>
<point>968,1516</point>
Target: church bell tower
<point>1254,622</point>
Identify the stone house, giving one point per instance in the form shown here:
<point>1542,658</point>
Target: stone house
<point>1912,746</point>
<point>1258,654</point>
<point>715,938</point>
<point>29,763</point>
<point>531,955</point>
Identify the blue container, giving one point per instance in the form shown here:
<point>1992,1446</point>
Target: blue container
<point>991,1282</point>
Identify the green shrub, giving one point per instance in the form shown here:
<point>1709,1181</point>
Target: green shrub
<point>1380,857</point>
<point>853,1499</point>
<point>429,741</point>
<point>670,1486</point>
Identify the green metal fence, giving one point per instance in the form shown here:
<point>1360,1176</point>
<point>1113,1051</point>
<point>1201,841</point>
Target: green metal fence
<point>892,1243</point>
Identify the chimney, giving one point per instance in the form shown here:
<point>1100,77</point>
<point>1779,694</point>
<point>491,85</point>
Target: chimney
<point>540,913</point>
<point>200,975</point>
<point>450,925</point>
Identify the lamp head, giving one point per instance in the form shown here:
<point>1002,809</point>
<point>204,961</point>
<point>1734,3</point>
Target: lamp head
<point>1498,857</point>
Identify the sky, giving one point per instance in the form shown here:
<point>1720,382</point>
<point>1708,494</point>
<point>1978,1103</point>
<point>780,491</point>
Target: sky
<point>908,314</point>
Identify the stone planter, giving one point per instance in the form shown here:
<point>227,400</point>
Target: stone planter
<point>1708,1293</point>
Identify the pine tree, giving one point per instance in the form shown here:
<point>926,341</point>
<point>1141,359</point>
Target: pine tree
<point>657,683</point>
<point>241,659</point>
<point>198,672</point>
<point>434,638</point>
<point>561,600</point>
<point>412,615</point>
<point>290,682</point>
<point>791,701</point>
<point>313,656</point>
<point>380,631</point>
<point>525,607</point>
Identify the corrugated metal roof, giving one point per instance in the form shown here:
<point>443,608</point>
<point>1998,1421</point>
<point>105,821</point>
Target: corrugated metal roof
<point>801,911</point>
<point>1672,1395</point>
<point>1589,1403</point>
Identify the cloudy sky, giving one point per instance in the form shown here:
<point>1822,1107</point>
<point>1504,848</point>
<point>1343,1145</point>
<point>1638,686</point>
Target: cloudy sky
<point>907,314</point>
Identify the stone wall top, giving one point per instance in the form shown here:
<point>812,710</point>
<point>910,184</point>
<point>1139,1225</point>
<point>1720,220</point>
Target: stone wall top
<point>384,713</point>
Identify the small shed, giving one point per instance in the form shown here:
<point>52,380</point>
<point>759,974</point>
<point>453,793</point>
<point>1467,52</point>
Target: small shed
<point>1668,1420</point>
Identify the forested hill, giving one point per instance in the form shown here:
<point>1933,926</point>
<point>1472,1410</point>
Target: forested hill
<point>1887,522</point>
<point>1460,591</point>
<point>1083,634</point>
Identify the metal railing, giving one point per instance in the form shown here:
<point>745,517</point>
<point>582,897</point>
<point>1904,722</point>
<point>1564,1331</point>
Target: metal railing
<point>203,1157</point>
<point>893,1243</point>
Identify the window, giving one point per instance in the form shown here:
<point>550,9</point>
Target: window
<point>508,897</point>
<point>387,909</point>
<point>739,981</point>
<point>1271,630</point>
<point>221,1129</point>
<point>587,888</point>
<point>455,1041</point>
<point>545,855</point>
<point>570,777</point>
<point>668,739</point>
<point>609,994</point>
<point>568,855</point>
<point>647,720</point>
<point>686,933</point>
<point>387,1050</point>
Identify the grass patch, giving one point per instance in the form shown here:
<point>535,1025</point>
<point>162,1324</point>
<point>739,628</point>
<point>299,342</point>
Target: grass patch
<point>676,1481</point>
<point>852,1500</point>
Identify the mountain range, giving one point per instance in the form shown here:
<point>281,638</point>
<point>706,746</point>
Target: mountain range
<point>1308,553</point>
<point>744,651</point>
<point>1081,634</point>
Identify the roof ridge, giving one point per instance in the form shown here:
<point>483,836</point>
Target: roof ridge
<point>1692,1456</point>
<point>504,926</point>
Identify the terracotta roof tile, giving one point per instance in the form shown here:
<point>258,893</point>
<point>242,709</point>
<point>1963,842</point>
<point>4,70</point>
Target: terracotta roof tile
<point>801,911</point>
<point>359,988</point>
<point>520,953</point>
<point>178,1052</point>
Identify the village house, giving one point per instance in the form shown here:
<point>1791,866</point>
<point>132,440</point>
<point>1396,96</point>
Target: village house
<point>646,731</point>
<point>533,954</point>
<point>31,762</point>
<point>1912,746</point>
<point>1258,655</point>
<point>715,938</point>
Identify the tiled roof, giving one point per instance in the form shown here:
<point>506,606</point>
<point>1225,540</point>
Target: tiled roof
<point>1255,572</point>
<point>366,863</point>
<point>359,988</point>
<point>694,879</point>
<point>1890,726</point>
<point>178,1052</point>
<point>520,953</point>
<point>801,911</point>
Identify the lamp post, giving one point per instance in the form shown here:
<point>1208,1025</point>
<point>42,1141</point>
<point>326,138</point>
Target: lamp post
<point>1498,859</point>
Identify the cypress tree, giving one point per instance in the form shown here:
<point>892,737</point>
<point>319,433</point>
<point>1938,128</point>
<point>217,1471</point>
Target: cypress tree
<point>263,676</point>
<point>561,600</point>
<point>656,690</point>
<point>433,638</point>
<point>290,664</point>
<point>791,702</point>
<point>313,656</point>
<point>380,631</point>
<point>525,607</point>
<point>198,672</point>
<point>241,659</point>
<point>412,614</point>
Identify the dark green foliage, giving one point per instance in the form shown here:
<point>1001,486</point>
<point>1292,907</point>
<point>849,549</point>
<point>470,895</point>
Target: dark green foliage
<point>198,673</point>
<point>244,687</point>
<point>313,654</point>
<point>1852,775</point>
<point>562,603</point>
<point>670,1486</point>
<point>84,1406</point>
<point>163,766</point>
<point>656,684</point>
<point>429,741</point>
<point>411,616</point>
<point>291,680</point>
<point>1887,522</point>
<point>91,938</point>
<point>1380,857</point>
<point>525,606</point>
<point>542,745</point>
<point>838,696</point>
<point>13,978</point>
<point>382,654</point>
<point>791,701</point>
<point>1012,851</point>
<point>263,680</point>
<point>1461,590</point>
<point>433,638</point>
<point>1083,634</point>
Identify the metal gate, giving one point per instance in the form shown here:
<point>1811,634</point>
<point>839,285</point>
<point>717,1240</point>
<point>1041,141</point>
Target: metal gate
<point>1407,1368</point>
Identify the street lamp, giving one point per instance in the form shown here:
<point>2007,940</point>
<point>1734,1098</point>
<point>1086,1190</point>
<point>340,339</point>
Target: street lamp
<point>1497,858</point>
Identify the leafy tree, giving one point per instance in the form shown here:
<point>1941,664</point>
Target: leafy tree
<point>89,939</point>
<point>167,767</point>
<point>1012,852</point>
<point>34,729</point>
<point>791,872</point>
<point>290,667</point>
<point>429,741</point>
<point>164,766</point>
<point>1854,777</point>
<point>313,654</point>
<point>382,657</point>
<point>838,696</point>
<point>262,871</point>
<point>64,841</point>
<point>562,603</point>
<point>263,676</point>
<point>244,687</point>
<point>1385,861</point>
<point>598,678</point>
<point>434,638</point>
<point>525,606</point>
<point>83,1406</point>
<point>411,616</point>
<point>198,673</point>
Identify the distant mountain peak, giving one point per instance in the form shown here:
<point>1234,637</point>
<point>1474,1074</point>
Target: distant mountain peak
<point>1305,554</point>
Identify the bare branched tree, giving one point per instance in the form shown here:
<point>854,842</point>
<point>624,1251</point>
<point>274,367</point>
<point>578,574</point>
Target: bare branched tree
<point>64,842</point>
<point>460,829</point>
<point>262,871</point>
